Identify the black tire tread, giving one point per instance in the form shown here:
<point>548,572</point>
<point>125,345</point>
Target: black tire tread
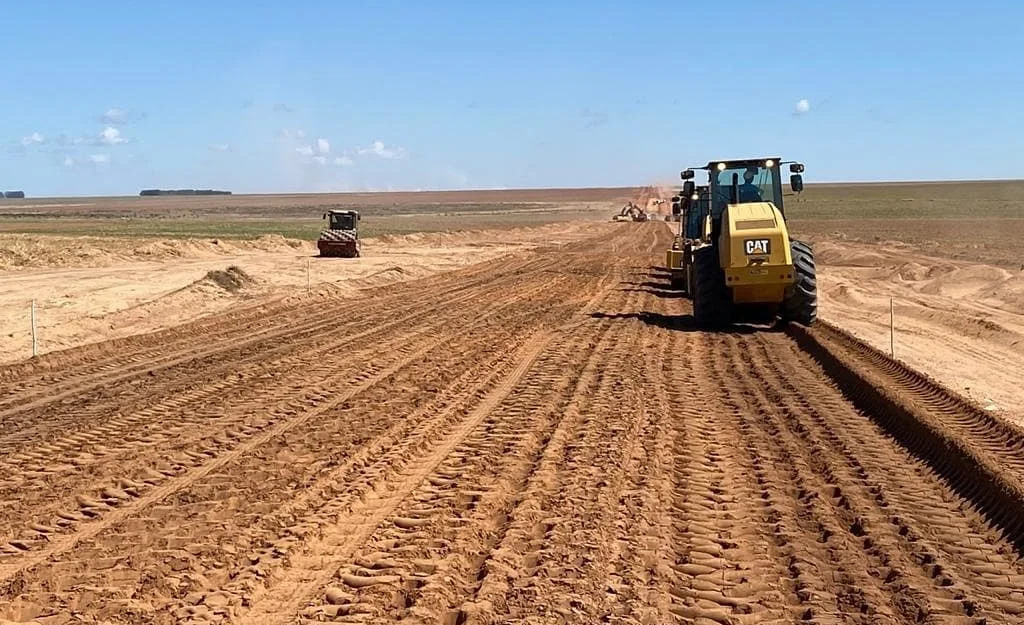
<point>801,303</point>
<point>711,301</point>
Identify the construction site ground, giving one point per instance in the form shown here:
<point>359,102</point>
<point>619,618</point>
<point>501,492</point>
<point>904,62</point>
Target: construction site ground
<point>539,435</point>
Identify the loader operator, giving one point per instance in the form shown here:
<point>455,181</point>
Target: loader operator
<point>749,192</point>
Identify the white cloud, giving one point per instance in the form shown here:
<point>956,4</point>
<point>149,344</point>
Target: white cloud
<point>220,147</point>
<point>323,146</point>
<point>33,139</point>
<point>802,106</point>
<point>114,115</point>
<point>343,160</point>
<point>292,134</point>
<point>377,148</point>
<point>281,107</point>
<point>322,160</point>
<point>69,162</point>
<point>111,136</point>
<point>305,150</point>
<point>99,159</point>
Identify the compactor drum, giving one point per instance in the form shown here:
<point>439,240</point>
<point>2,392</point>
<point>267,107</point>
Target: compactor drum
<point>341,237</point>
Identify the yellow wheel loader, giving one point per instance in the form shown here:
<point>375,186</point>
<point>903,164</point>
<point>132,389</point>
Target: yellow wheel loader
<point>691,213</point>
<point>743,265</point>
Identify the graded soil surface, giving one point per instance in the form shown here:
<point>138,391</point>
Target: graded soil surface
<point>89,289</point>
<point>543,437</point>
<point>960,321</point>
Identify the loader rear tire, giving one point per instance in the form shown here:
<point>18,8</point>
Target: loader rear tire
<point>712,305</point>
<point>801,303</point>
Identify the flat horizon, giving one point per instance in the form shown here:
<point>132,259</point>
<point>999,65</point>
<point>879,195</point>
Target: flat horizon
<point>500,189</point>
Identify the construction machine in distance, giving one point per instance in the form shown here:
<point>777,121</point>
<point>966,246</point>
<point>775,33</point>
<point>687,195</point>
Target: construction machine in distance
<point>691,213</point>
<point>631,212</point>
<point>743,265</point>
<point>341,237</point>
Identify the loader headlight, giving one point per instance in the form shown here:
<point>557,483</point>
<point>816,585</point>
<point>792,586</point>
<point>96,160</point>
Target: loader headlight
<point>694,197</point>
<point>769,163</point>
<point>721,167</point>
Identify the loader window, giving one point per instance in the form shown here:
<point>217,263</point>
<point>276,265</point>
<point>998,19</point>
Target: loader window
<point>695,214</point>
<point>343,222</point>
<point>756,184</point>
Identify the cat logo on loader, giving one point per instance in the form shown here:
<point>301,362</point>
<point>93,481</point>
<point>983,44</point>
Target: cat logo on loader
<point>759,247</point>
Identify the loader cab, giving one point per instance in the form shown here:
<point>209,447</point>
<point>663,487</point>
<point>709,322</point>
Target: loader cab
<point>744,181</point>
<point>341,220</point>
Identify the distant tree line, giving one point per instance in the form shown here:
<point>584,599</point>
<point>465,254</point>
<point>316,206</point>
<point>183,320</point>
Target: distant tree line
<point>183,192</point>
<point>13,195</point>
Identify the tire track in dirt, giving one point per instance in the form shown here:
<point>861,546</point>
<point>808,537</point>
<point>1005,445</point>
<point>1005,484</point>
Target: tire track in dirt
<point>991,437</point>
<point>322,327</point>
<point>213,435</point>
<point>337,344</point>
<point>554,547</point>
<point>462,509</point>
<point>402,456</point>
<point>273,319</point>
<point>924,535</point>
<point>481,449</point>
<point>178,391</point>
<point>390,463</point>
<point>569,449</point>
<point>340,541</point>
<point>514,297</point>
<point>102,499</point>
<point>636,587</point>
<point>724,562</point>
<point>274,316</point>
<point>825,516</point>
<point>148,352</point>
<point>200,469</point>
<point>145,405</point>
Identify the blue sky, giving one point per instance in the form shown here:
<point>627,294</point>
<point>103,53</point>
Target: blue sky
<point>322,96</point>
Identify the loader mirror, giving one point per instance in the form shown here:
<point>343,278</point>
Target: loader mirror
<point>324,216</point>
<point>686,174</point>
<point>796,182</point>
<point>688,187</point>
<point>675,208</point>
<point>675,199</point>
<point>796,168</point>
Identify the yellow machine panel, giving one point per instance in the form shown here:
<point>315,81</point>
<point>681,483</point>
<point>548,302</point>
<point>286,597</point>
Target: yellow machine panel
<point>674,259</point>
<point>755,253</point>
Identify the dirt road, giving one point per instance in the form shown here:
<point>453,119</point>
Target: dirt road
<point>541,438</point>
